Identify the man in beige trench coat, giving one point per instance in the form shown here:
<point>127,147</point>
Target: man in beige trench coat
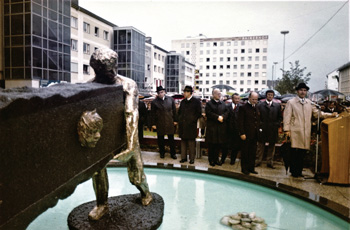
<point>297,125</point>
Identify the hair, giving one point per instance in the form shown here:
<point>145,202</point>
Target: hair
<point>212,92</point>
<point>104,62</point>
<point>250,94</point>
<point>235,94</point>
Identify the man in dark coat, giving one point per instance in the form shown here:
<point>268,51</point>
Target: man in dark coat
<point>248,123</point>
<point>217,113</point>
<point>164,120</point>
<point>233,138</point>
<point>142,117</point>
<point>189,112</point>
<point>270,121</point>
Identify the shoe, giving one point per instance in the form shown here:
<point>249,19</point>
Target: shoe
<point>218,163</point>
<point>161,155</point>
<point>254,172</point>
<point>173,156</point>
<point>191,162</point>
<point>245,172</point>
<point>212,164</point>
<point>183,161</point>
<point>271,166</point>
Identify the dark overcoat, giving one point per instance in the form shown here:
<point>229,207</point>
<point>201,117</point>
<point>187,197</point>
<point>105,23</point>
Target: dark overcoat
<point>270,121</point>
<point>164,115</point>
<point>188,114</point>
<point>249,121</point>
<point>216,131</point>
<point>232,127</point>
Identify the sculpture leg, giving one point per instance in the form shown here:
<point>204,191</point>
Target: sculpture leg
<point>100,183</point>
<point>137,177</point>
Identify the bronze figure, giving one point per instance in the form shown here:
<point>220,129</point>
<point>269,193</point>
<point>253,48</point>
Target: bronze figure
<point>104,61</point>
<point>89,128</point>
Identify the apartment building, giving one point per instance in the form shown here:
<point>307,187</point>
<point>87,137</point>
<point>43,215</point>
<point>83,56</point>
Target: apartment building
<point>88,32</point>
<point>240,62</point>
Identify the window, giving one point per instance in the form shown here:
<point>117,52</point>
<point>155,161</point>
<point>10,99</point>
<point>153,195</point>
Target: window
<point>187,45</point>
<point>256,74</point>
<point>228,66</point>
<point>227,82</point>
<point>214,74</point>
<point>215,44</point>
<point>155,55</point>
<point>208,67</point>
<point>256,66</point>
<point>221,82</point>
<point>256,82</point>
<point>86,69</point>
<point>74,22</point>
<point>249,58</point>
<point>74,44</point>
<point>265,50</point>
<point>235,51</point>
<point>228,43</point>
<point>221,74</point>
<point>155,68</point>
<point>235,66</point>
<point>162,58</point>
<point>159,57</point>
<point>235,59</point>
<point>214,82</point>
<point>249,74</point>
<point>86,48</point>
<point>264,58</point>
<point>201,60</point>
<point>187,52</point>
<point>242,51</point>
<point>264,66</point>
<point>235,43</point>
<point>182,45</point>
<point>250,51</point>
<point>207,82</point>
<point>201,44</point>
<point>221,59</point>
<point>228,74</point>
<point>97,31</point>
<point>208,51</point>
<point>249,82</point>
<point>249,66</point>
<point>257,58</point>
<point>214,66</point>
<point>242,58</point>
<point>207,75</point>
<point>214,51</point>
<point>263,82</point>
<point>214,59</point>
<point>228,51</point>
<point>228,59</point>
<point>257,50</point>
<point>234,82</point>
<point>241,82</point>
<point>96,48</point>
<point>242,66</point>
<point>221,51</point>
<point>208,59</point>
<point>264,74</point>
<point>221,43</point>
<point>221,67</point>
<point>207,89</point>
<point>241,90</point>
<point>234,74</point>
<point>74,67</point>
<point>86,27</point>
<point>201,52</point>
<point>208,44</point>
<point>242,74</point>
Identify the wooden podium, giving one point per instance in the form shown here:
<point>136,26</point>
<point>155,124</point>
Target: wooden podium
<point>335,136</point>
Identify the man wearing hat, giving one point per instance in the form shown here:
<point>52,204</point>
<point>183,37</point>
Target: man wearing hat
<point>164,120</point>
<point>270,121</point>
<point>297,126</point>
<point>189,112</point>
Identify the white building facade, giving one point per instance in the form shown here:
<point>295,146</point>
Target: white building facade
<point>332,80</point>
<point>239,62</point>
<point>88,32</point>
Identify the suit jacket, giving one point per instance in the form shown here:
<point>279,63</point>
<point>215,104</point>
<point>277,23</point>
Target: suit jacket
<point>216,131</point>
<point>232,127</point>
<point>189,112</point>
<point>249,121</point>
<point>164,115</point>
<point>270,121</point>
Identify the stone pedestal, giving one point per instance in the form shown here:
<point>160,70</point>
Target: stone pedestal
<point>125,212</point>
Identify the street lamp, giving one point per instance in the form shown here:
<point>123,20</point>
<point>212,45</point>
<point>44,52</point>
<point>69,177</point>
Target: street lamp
<point>274,73</point>
<point>284,32</point>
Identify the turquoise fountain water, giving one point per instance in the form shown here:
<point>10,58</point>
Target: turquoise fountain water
<point>198,201</point>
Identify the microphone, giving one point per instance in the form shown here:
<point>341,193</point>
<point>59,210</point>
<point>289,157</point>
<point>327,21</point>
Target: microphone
<point>317,105</point>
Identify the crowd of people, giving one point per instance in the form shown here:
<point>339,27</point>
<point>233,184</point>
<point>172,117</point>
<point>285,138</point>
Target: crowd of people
<point>235,126</point>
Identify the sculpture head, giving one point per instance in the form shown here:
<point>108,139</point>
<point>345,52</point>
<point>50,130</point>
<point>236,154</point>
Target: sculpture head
<point>104,61</point>
<point>89,128</point>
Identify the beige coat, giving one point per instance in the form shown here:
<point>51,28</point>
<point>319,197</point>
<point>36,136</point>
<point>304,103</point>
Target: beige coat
<point>297,120</point>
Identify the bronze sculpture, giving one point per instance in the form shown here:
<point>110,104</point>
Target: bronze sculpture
<point>104,61</point>
<point>89,128</point>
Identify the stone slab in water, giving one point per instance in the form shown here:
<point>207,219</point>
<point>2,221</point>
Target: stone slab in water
<point>126,212</point>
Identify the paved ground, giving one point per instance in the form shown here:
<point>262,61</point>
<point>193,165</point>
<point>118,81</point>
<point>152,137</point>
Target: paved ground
<point>338,194</point>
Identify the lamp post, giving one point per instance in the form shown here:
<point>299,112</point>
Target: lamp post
<point>284,32</point>
<point>274,73</point>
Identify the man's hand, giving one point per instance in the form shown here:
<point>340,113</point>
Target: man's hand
<point>287,133</point>
<point>154,127</point>
<point>243,137</point>
<point>175,123</point>
<point>334,114</point>
<point>221,119</point>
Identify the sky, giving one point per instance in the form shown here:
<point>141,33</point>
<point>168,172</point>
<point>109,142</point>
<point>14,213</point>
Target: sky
<point>317,32</point>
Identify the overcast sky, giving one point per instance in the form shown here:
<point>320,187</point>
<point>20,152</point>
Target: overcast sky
<point>168,20</point>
